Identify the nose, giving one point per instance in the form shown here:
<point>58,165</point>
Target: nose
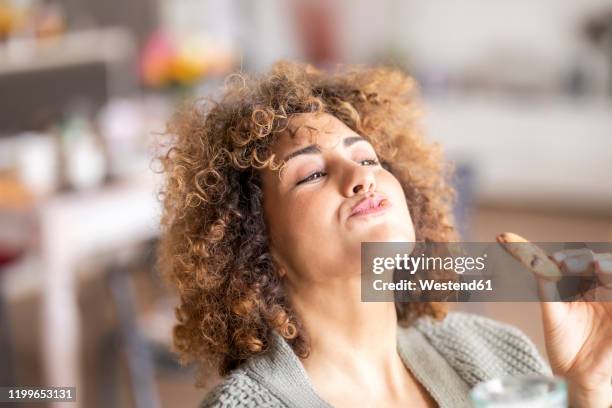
<point>359,180</point>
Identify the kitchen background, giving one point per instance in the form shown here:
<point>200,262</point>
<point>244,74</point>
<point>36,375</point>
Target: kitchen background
<point>519,94</point>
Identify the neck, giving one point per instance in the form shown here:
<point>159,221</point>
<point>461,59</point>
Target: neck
<point>343,329</point>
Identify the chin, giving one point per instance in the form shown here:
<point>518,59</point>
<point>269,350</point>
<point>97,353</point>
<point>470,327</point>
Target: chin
<point>385,233</point>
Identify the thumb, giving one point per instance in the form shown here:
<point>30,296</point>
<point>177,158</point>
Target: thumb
<point>553,308</point>
<point>547,290</point>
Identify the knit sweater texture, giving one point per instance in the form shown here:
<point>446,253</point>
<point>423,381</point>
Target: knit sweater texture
<point>448,358</point>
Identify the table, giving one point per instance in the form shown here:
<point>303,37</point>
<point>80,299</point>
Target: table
<point>69,228</point>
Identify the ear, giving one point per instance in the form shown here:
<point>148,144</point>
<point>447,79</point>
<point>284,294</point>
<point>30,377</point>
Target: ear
<point>278,261</point>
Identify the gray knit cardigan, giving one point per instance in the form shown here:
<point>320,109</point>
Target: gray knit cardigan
<point>447,357</point>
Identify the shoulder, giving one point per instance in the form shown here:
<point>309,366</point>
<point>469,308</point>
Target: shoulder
<point>239,390</point>
<point>480,348</point>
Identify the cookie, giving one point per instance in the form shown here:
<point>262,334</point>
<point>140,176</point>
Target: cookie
<point>530,255</point>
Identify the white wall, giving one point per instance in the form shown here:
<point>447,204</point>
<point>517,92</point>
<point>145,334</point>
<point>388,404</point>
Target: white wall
<point>456,33</point>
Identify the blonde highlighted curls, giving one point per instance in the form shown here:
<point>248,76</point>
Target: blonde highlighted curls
<point>214,244</point>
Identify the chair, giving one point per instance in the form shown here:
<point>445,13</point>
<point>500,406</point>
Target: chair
<point>137,336</point>
<point>8,375</point>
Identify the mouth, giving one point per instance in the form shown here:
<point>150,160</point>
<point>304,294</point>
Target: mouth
<point>370,205</point>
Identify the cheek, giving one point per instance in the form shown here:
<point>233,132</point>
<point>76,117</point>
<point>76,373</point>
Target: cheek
<point>310,210</point>
<point>315,221</point>
<point>299,217</point>
<point>395,190</point>
<point>274,217</point>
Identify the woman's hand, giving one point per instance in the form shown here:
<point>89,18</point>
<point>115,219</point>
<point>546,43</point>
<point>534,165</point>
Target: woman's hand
<point>578,334</point>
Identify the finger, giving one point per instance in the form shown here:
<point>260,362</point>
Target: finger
<point>553,308</point>
<point>590,295</point>
<point>575,261</point>
<point>602,294</point>
<point>547,290</point>
<point>603,270</point>
<point>577,267</point>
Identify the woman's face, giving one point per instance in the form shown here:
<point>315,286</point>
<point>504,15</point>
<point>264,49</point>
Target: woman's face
<point>331,196</point>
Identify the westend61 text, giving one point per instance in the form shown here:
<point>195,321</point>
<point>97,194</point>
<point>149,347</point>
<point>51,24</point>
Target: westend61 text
<point>431,284</point>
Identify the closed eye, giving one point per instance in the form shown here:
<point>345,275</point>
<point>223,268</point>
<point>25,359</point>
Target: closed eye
<point>318,174</point>
<point>313,176</point>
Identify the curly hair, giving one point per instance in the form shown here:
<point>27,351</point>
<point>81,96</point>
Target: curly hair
<point>214,246</point>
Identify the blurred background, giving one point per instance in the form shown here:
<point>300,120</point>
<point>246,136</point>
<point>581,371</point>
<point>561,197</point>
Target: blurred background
<point>518,93</point>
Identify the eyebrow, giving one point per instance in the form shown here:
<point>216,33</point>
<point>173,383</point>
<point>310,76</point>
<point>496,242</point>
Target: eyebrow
<point>315,148</point>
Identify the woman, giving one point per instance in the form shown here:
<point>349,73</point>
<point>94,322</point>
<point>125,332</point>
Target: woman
<point>270,193</point>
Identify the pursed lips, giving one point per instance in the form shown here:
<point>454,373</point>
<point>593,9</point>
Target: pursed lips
<point>370,205</point>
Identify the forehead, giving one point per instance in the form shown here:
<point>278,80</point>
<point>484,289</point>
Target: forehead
<point>311,128</point>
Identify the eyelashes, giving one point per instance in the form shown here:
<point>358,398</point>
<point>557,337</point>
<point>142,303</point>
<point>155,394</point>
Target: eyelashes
<point>313,176</point>
<point>318,174</point>
<point>373,162</point>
